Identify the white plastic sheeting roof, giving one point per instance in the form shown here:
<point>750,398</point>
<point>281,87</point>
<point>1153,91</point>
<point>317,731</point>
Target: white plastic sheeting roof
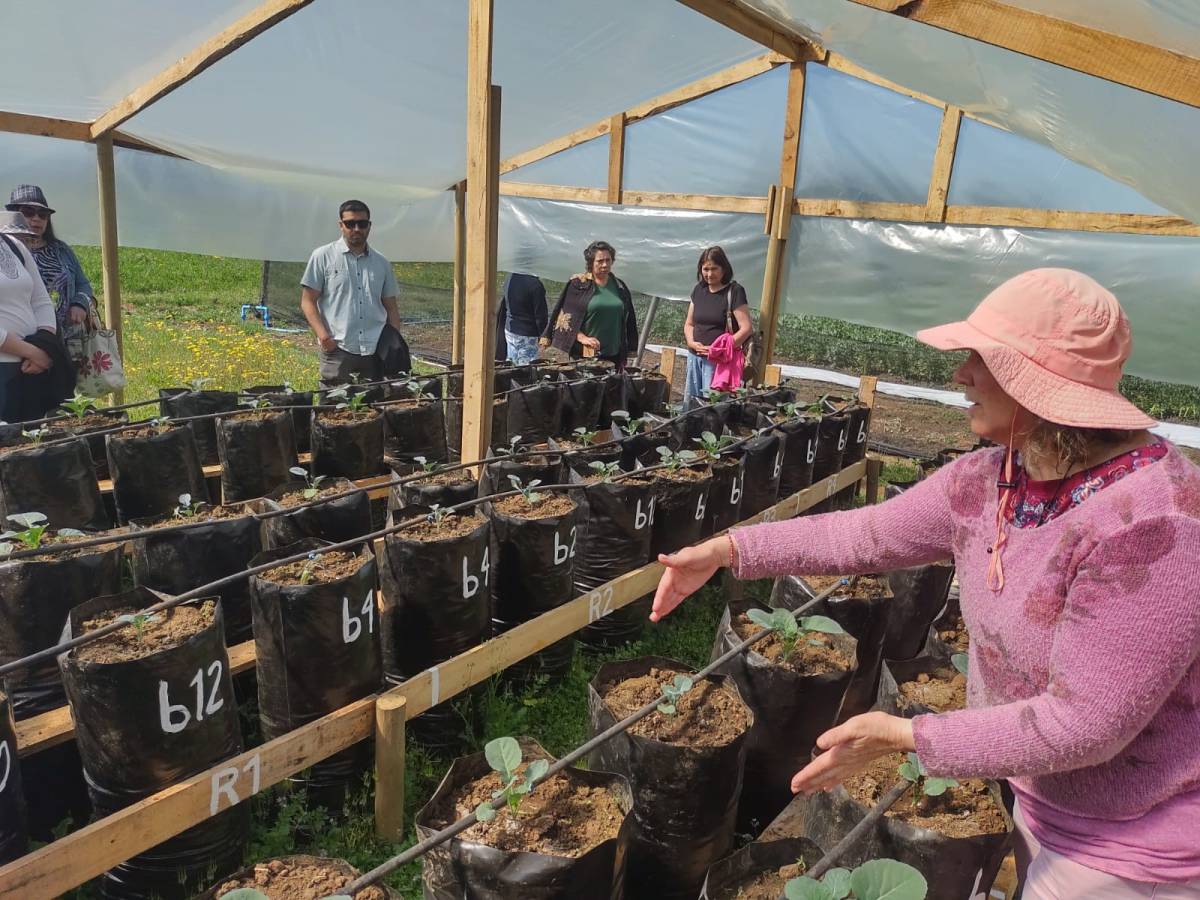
<point>368,99</point>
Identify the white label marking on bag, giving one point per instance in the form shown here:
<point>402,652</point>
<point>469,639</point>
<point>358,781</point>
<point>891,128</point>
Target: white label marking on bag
<point>169,713</point>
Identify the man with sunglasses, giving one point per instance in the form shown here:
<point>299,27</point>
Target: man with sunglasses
<point>348,294</point>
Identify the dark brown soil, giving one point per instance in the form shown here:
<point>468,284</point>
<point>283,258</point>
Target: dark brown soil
<point>955,634</point>
<point>942,691</point>
<point>964,811</point>
<point>450,527</point>
<point>816,653</point>
<point>865,586</point>
<point>206,513</point>
<point>56,540</point>
<point>550,506</point>
<point>297,498</point>
<point>24,445</point>
<point>453,477</point>
<point>767,886</point>
<point>327,567</point>
<point>147,430</point>
<point>347,416</point>
<point>683,474</point>
<point>169,628</point>
<point>404,404</point>
<point>562,817</point>
<point>94,422</point>
<point>706,716</point>
<point>254,415</point>
<point>281,880</point>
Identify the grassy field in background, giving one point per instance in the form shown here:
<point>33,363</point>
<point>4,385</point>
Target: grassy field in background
<point>182,321</point>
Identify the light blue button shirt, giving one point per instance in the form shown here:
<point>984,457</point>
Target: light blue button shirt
<point>351,291</point>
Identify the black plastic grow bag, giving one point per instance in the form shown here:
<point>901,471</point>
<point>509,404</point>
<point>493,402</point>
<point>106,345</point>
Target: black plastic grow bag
<point>436,605</point>
<point>919,596</point>
<point>462,867</point>
<point>684,798</point>
<point>335,521</point>
<point>347,449</point>
<point>95,420</point>
<point>14,841</point>
<point>544,467</point>
<point>799,455</point>
<point>647,394</point>
<point>680,512</point>
<point>454,418</point>
<point>535,412</point>
<point>151,469</point>
<point>176,706</point>
<point>58,480</point>
<point>727,877</point>
<point>182,560</point>
<point>335,623</point>
<point>181,402</point>
<point>581,403</point>
<point>762,460</point>
<point>725,494</point>
<point>415,429</point>
<point>257,451</point>
<point>425,493</point>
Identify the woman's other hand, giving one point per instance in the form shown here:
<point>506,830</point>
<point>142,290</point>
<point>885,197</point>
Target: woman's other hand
<point>77,315</point>
<point>35,361</point>
<point>698,348</point>
<point>850,747</point>
<point>687,572</point>
<point>586,341</point>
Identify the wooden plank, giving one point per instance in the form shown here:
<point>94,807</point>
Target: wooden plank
<point>943,165</point>
<point>553,192</point>
<point>1063,220</point>
<point>616,157</point>
<point>82,855</point>
<point>773,375</point>
<point>557,145</point>
<point>460,293</point>
<point>794,110</point>
<point>1102,54</point>
<point>752,24</point>
<point>44,126</point>
<point>666,366</point>
<point>700,202</point>
<point>188,67</point>
<point>480,211</point>
<point>390,716</point>
<point>110,268</point>
<point>867,386</point>
<point>859,209</point>
<point>874,470</point>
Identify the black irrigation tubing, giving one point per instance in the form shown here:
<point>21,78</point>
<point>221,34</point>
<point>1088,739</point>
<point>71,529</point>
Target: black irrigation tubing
<point>886,802</point>
<point>440,837</point>
<point>98,411</point>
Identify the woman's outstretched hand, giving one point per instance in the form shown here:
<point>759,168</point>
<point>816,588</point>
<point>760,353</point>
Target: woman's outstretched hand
<point>687,572</point>
<point>850,747</point>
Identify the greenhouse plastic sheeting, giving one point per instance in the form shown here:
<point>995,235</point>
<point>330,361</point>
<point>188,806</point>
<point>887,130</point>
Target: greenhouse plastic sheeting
<point>584,165</point>
<point>905,277</point>
<point>1137,138</point>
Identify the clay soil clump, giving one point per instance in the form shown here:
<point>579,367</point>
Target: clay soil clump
<point>283,880</point>
<point>167,629</point>
<point>942,691</point>
<point>815,653</point>
<point>706,716</point>
<point>968,810</point>
<point>563,817</point>
<point>327,567</point>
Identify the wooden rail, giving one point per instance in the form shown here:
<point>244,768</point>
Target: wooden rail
<point>82,855</point>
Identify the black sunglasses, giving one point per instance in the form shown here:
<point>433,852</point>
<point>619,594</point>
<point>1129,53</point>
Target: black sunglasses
<point>356,223</point>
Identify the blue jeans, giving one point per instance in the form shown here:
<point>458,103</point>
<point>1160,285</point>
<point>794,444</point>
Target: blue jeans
<point>699,376</point>
<point>522,350</point>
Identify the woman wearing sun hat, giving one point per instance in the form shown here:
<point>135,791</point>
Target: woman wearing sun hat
<point>1077,546</point>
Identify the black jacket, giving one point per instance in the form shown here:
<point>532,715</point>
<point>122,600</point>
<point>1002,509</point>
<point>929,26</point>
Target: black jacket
<point>32,396</point>
<point>524,298</point>
<point>567,317</point>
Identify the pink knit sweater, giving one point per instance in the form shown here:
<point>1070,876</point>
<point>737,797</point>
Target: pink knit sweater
<point>1084,684</point>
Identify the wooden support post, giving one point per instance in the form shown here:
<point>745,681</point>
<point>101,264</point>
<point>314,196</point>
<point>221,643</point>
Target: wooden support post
<point>773,375</point>
<point>616,157</point>
<point>111,273</point>
<point>867,386</point>
<point>943,165</point>
<point>666,366</point>
<point>460,289</point>
<point>481,223</point>
<point>389,767</point>
<point>874,469</point>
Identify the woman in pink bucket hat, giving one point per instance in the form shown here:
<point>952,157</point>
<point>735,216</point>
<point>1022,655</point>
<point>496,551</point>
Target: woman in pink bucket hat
<point>1077,546</point>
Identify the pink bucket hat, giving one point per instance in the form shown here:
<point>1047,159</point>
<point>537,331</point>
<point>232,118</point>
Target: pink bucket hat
<point>1055,340</point>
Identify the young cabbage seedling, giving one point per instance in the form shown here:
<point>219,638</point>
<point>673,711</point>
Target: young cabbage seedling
<point>197,384</point>
<point>309,568</point>
<point>504,756</point>
<point>790,631</point>
<point>35,435</point>
<point>513,448</point>
<point>258,401</point>
<point>789,410</point>
<point>912,769</point>
<point>414,388</point>
<point>437,513</point>
<point>959,661</point>
<point>139,621</point>
<point>583,436</point>
<point>672,692</point>
<point>33,529</point>
<point>714,396</point>
<point>313,484</point>
<point>675,461</point>
<point>356,402</point>
<point>627,424</point>
<point>79,405</point>
<point>876,879</point>
<point>713,445</point>
<point>532,497</point>
<point>160,424</point>
<point>426,466</point>
<point>186,507</point>
<point>606,470</point>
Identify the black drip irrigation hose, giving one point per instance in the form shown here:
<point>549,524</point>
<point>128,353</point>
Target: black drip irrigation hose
<point>440,837</point>
<point>886,802</point>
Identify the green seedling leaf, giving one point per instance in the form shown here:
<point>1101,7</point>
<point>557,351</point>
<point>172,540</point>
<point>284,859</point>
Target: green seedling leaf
<point>503,755</point>
<point>70,532</point>
<point>960,662</point>
<point>245,894</point>
<point>672,692</point>
<point>79,405</point>
<point>35,435</point>
<point>887,879</point>
<point>935,787</point>
<point>805,888</point>
<point>823,624</point>
<point>838,882</point>
<point>537,770</point>
<point>484,812</point>
<point>606,470</point>
<point>27,520</point>
<point>908,772</point>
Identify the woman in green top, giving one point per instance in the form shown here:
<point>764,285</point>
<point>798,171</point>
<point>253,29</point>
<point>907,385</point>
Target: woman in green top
<point>594,315</point>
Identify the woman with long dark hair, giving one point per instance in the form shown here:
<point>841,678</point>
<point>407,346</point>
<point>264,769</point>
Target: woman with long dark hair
<point>718,306</point>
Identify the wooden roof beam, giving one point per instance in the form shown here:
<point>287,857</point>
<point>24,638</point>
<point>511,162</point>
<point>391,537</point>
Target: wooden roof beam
<point>756,26</point>
<point>188,67</point>
<point>1102,54</point>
